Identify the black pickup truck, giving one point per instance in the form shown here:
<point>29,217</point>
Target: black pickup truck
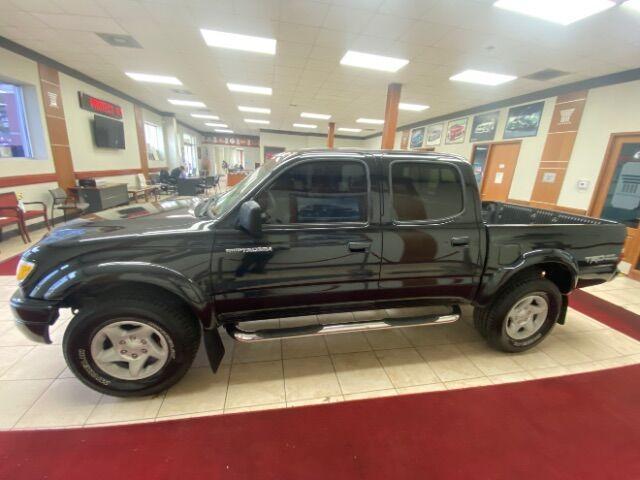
<point>309,232</point>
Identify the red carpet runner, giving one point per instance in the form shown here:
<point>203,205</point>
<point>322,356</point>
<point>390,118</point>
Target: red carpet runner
<point>8,266</point>
<point>583,426</point>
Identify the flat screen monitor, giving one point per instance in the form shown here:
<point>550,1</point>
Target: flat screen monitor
<point>108,133</point>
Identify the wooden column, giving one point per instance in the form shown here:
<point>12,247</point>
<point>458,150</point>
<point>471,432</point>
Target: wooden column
<point>331,135</point>
<point>391,116</point>
<point>142,143</point>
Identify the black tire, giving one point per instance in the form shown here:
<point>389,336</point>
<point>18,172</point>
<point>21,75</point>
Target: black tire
<point>491,321</point>
<point>177,324</point>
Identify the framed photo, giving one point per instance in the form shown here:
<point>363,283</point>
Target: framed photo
<point>484,127</point>
<point>523,121</point>
<point>456,130</point>
<point>434,134</point>
<point>416,137</point>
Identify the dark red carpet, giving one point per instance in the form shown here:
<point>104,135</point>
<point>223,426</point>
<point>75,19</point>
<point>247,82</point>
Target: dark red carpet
<point>583,426</point>
<point>8,266</point>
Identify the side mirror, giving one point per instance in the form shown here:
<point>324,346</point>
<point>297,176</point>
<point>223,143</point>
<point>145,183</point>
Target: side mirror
<point>249,218</point>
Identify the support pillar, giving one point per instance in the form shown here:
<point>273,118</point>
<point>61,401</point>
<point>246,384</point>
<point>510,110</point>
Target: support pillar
<point>331,135</point>
<point>391,116</point>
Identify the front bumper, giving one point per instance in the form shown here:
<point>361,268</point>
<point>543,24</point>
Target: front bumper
<point>34,317</point>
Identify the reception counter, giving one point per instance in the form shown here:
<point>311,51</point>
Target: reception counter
<point>234,178</point>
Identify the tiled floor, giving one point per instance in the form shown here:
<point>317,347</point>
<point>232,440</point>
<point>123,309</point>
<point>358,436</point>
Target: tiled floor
<point>38,391</point>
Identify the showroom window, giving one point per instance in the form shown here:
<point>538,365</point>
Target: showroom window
<point>317,192</point>
<point>14,134</point>
<point>424,191</point>
<point>190,155</point>
<point>153,137</point>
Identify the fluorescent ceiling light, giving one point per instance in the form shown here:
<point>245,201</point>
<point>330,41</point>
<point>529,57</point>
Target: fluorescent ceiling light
<point>304,125</point>
<point>221,125</point>
<point>236,87</point>
<point>222,130</point>
<point>205,116</point>
<point>352,130</point>
<point>255,120</point>
<point>634,4</point>
<point>563,12</point>
<point>412,107</point>
<point>254,110</point>
<point>482,78</point>
<point>319,116</point>
<point>235,41</point>
<point>374,62</point>
<point>372,121</point>
<point>147,77</point>
<point>186,103</point>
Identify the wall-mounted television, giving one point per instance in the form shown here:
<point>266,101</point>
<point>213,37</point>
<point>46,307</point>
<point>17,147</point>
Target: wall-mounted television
<point>108,133</point>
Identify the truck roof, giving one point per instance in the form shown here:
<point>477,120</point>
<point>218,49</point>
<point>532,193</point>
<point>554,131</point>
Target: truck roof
<point>412,153</point>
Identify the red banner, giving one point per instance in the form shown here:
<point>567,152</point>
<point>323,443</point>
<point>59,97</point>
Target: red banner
<point>96,105</point>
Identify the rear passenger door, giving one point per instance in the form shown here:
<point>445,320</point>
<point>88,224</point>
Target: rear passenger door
<point>431,235</point>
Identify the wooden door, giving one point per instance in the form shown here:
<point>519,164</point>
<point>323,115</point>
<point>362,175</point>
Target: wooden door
<point>617,193</point>
<point>498,174</point>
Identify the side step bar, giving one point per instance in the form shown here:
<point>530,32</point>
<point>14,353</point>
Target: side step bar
<point>309,330</point>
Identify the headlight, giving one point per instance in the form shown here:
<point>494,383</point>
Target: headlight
<point>24,269</point>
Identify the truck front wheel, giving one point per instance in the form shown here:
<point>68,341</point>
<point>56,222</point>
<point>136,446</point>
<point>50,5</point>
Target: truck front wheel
<point>131,345</point>
<point>522,315</point>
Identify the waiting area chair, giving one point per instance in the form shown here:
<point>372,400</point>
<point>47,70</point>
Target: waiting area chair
<point>11,213</point>
<point>65,203</point>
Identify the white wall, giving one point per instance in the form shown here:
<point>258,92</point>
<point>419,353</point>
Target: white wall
<point>297,142</point>
<point>155,119</point>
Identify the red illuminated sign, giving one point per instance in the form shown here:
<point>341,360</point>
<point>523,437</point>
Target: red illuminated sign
<point>96,105</point>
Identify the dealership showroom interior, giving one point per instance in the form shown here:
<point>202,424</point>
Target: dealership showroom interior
<point>320,239</point>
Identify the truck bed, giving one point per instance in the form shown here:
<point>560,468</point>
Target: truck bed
<point>496,213</point>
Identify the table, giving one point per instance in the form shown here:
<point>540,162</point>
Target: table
<point>102,196</point>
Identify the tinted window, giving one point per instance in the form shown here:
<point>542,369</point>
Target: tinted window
<point>425,191</point>
<point>317,192</point>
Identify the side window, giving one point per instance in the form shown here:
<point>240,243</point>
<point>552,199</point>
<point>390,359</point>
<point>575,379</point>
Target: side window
<point>425,191</point>
<point>323,191</point>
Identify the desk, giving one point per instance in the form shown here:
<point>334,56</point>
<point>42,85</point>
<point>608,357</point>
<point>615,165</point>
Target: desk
<point>103,196</point>
<point>145,192</point>
<point>235,178</point>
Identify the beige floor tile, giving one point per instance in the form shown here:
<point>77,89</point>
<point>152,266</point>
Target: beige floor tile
<point>16,397</point>
<point>13,338</point>
<point>618,362</point>
<point>620,342</point>
<point>634,308</point>
<point>257,352</point>
<point>549,372</point>
<point>10,355</point>
<point>405,367</point>
<point>534,359</point>
<point>425,336</point>
<point>42,362</point>
<point>260,383</point>
<point>583,367</point>
<point>562,352</point>
<point>316,401</point>
<point>386,339</point>
<point>460,332</point>
<point>374,394</point>
<point>304,347</point>
<point>347,343</point>
<point>189,415</point>
<point>489,361</point>
<point>311,377</point>
<point>432,387</point>
<point>511,377</point>
<point>587,343</point>
<point>255,408</point>
<point>200,390</point>
<point>66,402</point>
<point>467,383</point>
<point>577,322</point>
<point>360,372</point>
<point>115,409</point>
<point>449,363</point>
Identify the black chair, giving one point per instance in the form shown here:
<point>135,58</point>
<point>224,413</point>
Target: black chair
<point>212,182</point>
<point>66,203</point>
<point>189,187</point>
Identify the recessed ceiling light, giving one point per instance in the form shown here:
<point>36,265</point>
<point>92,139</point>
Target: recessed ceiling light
<point>482,78</point>
<point>304,125</point>
<point>222,130</point>
<point>374,62</point>
<point>235,41</point>
<point>412,107</point>
<point>254,110</point>
<point>186,103</point>
<point>255,120</point>
<point>205,116</point>
<point>236,87</point>
<point>372,121</point>
<point>221,125</point>
<point>563,12</point>
<point>319,116</point>
<point>147,77</point>
<point>635,4</point>
<point>352,130</point>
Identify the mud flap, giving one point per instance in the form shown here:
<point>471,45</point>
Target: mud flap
<point>563,310</point>
<point>215,348</point>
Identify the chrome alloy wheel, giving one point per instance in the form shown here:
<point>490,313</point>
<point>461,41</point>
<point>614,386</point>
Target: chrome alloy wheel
<point>527,316</point>
<point>129,349</point>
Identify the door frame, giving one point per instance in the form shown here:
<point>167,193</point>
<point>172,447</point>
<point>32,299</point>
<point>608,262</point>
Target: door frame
<point>486,164</point>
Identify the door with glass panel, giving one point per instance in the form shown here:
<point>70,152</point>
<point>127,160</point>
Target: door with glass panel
<point>617,194</point>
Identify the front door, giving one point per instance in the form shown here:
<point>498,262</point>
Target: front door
<point>618,193</point>
<point>498,173</point>
<point>320,245</point>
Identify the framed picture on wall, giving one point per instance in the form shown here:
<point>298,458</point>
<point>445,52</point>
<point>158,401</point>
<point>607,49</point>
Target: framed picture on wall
<point>456,130</point>
<point>523,121</point>
<point>434,134</point>
<point>484,127</point>
<point>416,138</point>
<point>270,152</point>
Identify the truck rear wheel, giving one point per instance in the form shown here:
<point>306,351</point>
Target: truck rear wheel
<point>131,345</point>
<point>522,315</point>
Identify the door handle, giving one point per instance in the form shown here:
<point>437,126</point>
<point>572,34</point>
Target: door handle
<point>459,241</point>
<point>359,246</point>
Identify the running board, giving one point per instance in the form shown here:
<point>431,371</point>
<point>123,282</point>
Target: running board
<point>327,329</point>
